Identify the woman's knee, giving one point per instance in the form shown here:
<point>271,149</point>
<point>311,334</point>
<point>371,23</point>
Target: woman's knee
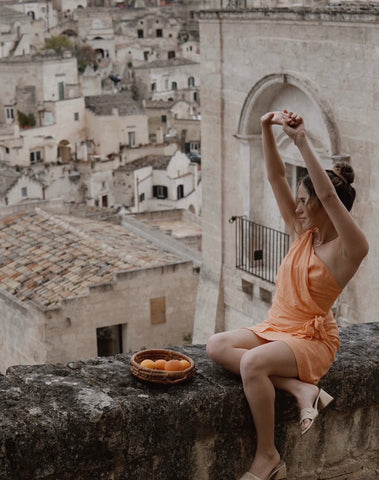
<point>252,364</point>
<point>216,346</point>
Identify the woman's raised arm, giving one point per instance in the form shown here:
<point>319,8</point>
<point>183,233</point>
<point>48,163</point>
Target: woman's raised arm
<point>276,173</point>
<point>352,239</point>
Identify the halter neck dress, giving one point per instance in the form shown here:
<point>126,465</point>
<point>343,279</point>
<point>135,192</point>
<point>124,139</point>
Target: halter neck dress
<point>301,315</point>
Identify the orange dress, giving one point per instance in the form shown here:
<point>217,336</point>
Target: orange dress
<point>300,315</point>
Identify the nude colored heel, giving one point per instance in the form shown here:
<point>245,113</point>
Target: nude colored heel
<point>322,401</point>
<point>279,473</point>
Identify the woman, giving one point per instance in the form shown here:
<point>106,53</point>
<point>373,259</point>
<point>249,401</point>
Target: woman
<point>297,344</point>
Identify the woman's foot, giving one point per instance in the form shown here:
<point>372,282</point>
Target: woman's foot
<point>263,465</point>
<point>306,395</point>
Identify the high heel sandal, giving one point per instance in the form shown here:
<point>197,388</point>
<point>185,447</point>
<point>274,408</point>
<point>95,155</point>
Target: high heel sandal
<point>322,401</point>
<point>277,473</point>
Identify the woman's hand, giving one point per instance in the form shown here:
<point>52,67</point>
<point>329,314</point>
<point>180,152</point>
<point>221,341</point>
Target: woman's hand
<point>275,118</point>
<point>293,126</point>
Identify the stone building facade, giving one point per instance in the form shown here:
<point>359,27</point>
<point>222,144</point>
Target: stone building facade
<point>74,288</point>
<point>316,61</point>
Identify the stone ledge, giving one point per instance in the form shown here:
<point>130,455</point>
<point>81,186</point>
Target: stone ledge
<point>94,421</point>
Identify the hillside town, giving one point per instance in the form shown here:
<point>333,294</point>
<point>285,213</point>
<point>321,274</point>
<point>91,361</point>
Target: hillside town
<point>99,119</point>
<point>130,161</point>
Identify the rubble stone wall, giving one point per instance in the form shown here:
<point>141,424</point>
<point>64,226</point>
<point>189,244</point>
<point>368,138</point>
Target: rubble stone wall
<point>94,420</point>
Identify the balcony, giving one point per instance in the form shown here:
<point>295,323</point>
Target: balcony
<point>259,249</point>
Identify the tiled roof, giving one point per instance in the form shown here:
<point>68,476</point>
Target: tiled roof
<point>104,104</point>
<point>157,162</point>
<point>166,63</point>
<point>46,258</point>
<point>8,177</point>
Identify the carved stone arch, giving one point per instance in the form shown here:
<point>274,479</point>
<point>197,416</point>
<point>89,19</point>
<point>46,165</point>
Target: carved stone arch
<point>263,95</point>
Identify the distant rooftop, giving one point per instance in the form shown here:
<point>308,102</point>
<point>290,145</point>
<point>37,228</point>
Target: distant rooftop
<point>158,162</point>
<point>46,258</point>
<point>172,62</point>
<point>104,104</point>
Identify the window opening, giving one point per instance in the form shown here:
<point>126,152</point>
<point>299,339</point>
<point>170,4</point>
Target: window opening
<point>61,90</point>
<point>158,310</point>
<point>109,340</point>
<point>180,191</point>
<point>131,139</point>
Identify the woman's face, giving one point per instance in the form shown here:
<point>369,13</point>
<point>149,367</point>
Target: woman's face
<point>309,210</point>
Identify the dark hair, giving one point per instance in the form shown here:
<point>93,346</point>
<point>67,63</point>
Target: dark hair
<point>342,176</point>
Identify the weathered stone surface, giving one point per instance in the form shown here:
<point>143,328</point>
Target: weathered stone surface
<point>94,421</point>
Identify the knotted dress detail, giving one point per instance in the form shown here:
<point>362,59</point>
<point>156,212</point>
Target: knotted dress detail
<point>301,315</point>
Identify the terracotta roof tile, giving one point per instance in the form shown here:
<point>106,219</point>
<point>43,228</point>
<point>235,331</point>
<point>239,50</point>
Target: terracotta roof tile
<point>45,258</point>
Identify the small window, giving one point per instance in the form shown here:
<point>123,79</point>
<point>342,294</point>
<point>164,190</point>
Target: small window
<point>140,33</point>
<point>35,157</point>
<point>171,54</point>
<point>146,55</point>
<point>61,90</point>
<point>164,118</point>
<point>158,310</point>
<point>180,191</point>
<point>142,197</point>
<point>76,116</point>
<point>10,113</point>
<point>174,86</point>
<point>160,191</point>
<point>159,33</point>
<point>131,139</point>
<point>24,192</point>
<point>191,82</point>
<point>153,87</point>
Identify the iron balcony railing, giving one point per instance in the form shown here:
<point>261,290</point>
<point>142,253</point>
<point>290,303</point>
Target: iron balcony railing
<point>259,249</point>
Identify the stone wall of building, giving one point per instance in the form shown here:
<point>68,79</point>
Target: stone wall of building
<point>94,420</point>
<point>69,331</point>
<point>308,60</point>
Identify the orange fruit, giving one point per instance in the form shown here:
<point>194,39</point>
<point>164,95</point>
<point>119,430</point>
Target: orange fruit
<point>173,366</point>
<point>147,363</point>
<point>185,364</point>
<point>160,364</point>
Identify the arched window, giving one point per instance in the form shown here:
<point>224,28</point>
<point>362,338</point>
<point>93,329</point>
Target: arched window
<point>191,82</point>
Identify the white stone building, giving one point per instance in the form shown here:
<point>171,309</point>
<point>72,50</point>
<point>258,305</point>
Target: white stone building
<point>172,79</point>
<point>19,33</point>
<point>157,183</point>
<point>316,61</point>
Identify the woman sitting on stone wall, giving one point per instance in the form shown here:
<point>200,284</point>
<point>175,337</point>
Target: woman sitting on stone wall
<point>298,342</point>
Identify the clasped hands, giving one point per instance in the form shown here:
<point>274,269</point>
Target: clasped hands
<point>292,123</point>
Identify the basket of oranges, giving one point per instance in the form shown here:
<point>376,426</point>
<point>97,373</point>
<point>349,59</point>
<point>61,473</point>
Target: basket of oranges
<point>166,367</point>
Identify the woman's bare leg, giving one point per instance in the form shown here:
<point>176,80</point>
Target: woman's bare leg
<point>227,348</point>
<point>257,366</point>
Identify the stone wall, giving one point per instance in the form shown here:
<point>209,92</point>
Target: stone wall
<point>94,420</point>
<point>307,60</point>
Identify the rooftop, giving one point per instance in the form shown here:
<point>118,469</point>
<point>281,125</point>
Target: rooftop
<point>104,104</point>
<point>157,162</point>
<point>46,258</point>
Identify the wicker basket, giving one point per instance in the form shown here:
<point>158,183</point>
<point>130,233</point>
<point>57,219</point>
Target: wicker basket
<point>161,376</point>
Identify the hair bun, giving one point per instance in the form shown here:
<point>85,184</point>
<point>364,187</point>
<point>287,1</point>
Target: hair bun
<point>345,171</point>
